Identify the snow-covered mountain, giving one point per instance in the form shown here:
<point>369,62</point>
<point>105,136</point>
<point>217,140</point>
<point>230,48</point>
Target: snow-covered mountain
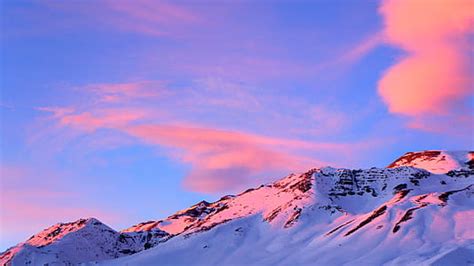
<point>79,241</point>
<point>400,215</point>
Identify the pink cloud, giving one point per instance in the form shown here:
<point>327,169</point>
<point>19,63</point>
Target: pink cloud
<point>113,104</point>
<point>426,82</point>
<point>222,160</point>
<point>100,118</point>
<point>414,24</point>
<point>434,77</point>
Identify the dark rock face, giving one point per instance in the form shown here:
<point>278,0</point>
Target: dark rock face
<point>372,181</point>
<point>196,210</point>
<point>470,163</point>
<point>407,216</point>
<point>369,219</point>
<point>145,239</point>
<point>399,187</point>
<point>305,184</point>
<point>273,215</point>
<point>445,196</point>
<point>460,173</point>
<point>293,218</point>
<point>339,227</point>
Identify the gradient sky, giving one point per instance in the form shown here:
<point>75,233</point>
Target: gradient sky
<point>130,110</point>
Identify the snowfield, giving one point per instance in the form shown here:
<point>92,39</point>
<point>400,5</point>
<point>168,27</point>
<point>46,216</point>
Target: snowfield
<point>418,211</point>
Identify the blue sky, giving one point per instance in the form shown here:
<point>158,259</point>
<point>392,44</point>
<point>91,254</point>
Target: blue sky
<point>131,110</point>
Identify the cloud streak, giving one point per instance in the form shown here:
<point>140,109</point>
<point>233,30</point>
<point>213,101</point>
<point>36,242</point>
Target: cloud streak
<point>142,17</point>
<point>221,158</point>
<point>361,49</point>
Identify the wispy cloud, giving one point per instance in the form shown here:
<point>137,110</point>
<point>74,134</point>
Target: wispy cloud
<point>120,92</point>
<point>224,160</point>
<point>222,157</point>
<point>221,160</point>
<point>359,50</point>
<point>141,17</point>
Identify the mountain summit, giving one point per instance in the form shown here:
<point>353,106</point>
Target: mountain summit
<point>416,211</point>
<point>438,162</point>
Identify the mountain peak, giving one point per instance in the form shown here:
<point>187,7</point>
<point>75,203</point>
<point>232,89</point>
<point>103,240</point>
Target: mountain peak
<point>436,161</point>
<point>59,230</point>
<point>90,238</point>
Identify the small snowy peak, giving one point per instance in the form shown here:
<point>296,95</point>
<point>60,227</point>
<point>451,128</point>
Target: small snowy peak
<point>58,231</point>
<point>438,162</point>
<point>48,236</point>
<point>79,241</point>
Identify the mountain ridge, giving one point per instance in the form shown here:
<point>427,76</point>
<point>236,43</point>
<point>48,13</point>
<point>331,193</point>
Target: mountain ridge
<point>343,202</point>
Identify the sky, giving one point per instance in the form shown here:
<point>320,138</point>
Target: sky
<point>131,110</point>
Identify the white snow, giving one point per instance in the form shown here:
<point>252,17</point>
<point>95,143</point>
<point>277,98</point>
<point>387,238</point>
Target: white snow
<point>380,216</point>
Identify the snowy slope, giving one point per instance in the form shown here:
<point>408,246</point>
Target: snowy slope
<point>402,216</point>
<point>438,162</point>
<point>283,196</point>
<point>395,216</point>
<point>80,241</point>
